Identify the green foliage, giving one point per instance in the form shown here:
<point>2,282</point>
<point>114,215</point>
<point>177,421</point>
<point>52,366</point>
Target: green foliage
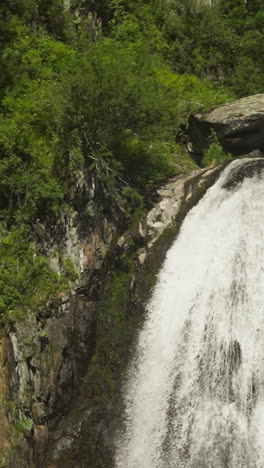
<point>27,281</point>
<point>39,13</point>
<point>115,101</point>
<point>129,109</point>
<point>28,142</point>
<point>215,153</point>
<point>135,201</point>
<point>69,272</point>
<point>24,425</point>
<point>213,41</point>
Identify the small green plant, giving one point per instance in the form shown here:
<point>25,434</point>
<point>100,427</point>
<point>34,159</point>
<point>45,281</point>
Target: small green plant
<point>43,334</point>
<point>215,152</point>
<point>24,425</point>
<point>69,271</point>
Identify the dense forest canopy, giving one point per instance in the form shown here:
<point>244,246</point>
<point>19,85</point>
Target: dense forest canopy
<point>106,85</point>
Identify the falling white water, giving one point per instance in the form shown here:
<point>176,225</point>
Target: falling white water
<point>195,393</point>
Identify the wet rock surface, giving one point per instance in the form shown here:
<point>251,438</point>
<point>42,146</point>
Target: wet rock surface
<point>249,169</point>
<point>239,126</point>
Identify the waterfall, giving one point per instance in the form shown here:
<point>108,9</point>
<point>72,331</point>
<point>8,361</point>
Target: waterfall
<point>195,392</point>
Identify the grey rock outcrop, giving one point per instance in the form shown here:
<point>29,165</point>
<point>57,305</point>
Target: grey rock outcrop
<point>239,126</point>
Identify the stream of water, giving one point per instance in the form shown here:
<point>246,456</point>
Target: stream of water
<point>195,392</point>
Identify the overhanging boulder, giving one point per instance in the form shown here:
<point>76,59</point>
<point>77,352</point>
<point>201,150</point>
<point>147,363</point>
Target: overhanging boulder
<point>239,127</point>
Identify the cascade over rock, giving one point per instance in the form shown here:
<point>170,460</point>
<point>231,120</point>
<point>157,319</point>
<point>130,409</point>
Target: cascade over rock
<point>249,169</point>
<point>44,359</point>
<point>239,126</point>
<point>194,393</point>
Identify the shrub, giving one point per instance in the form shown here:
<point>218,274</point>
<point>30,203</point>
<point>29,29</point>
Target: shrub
<point>215,153</point>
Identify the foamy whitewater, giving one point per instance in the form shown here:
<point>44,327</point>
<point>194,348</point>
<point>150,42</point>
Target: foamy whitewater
<point>195,393</point>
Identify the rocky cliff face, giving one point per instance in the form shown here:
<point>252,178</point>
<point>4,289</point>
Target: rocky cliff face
<point>83,438</point>
<point>53,411</point>
<point>238,126</point>
<point>44,357</point>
